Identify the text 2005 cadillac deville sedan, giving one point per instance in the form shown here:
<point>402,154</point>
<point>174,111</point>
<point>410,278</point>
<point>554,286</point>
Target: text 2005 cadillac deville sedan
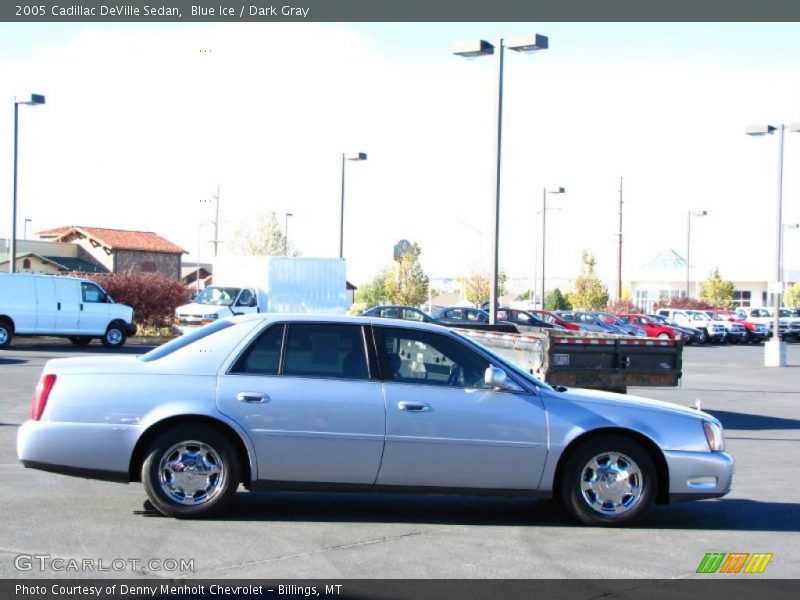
<point>337,403</point>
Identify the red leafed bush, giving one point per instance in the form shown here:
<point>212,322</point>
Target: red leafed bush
<point>152,297</point>
<point>682,303</point>
<point>623,307</point>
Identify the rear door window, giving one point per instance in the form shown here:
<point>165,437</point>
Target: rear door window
<point>325,350</point>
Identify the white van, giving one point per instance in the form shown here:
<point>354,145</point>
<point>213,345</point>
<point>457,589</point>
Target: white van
<point>63,307</point>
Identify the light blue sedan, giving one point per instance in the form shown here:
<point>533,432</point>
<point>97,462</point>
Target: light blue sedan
<point>342,404</point>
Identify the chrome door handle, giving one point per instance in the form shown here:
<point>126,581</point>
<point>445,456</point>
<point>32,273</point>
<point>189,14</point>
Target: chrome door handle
<point>414,406</point>
<point>252,397</point>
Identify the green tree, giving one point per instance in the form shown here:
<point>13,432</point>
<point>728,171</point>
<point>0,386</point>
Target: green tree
<point>717,292</point>
<point>475,287</point>
<point>405,281</point>
<point>373,293</point>
<point>792,296</point>
<point>263,237</point>
<point>590,293</point>
<point>555,300</point>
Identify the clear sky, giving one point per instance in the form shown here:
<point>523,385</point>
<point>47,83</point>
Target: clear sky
<point>142,122</point>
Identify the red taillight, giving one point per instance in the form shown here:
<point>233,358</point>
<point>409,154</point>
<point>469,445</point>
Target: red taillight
<point>41,394</point>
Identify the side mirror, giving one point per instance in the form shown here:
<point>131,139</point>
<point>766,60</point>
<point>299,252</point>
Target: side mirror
<point>497,379</point>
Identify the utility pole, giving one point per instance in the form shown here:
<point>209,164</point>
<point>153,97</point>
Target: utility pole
<point>216,223</point>
<point>619,247</point>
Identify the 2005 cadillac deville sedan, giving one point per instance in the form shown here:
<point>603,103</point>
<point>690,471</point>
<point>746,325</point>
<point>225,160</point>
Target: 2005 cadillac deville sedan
<point>338,403</point>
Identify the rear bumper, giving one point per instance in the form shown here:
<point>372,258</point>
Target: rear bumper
<point>697,475</point>
<point>91,450</point>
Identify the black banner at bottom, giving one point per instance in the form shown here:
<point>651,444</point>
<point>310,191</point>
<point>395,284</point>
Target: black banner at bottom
<point>734,588</point>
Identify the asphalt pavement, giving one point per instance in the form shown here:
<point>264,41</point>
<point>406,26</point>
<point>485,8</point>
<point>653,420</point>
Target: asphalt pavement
<point>321,535</point>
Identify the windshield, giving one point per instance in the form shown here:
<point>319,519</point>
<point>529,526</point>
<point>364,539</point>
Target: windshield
<point>217,296</point>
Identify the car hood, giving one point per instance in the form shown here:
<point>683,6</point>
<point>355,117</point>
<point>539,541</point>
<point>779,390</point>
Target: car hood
<point>200,309</point>
<point>627,401</point>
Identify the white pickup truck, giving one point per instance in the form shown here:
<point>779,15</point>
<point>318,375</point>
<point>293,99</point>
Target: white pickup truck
<point>711,331</point>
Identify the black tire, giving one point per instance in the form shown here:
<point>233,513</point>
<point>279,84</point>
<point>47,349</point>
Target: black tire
<point>80,340</point>
<point>577,470</point>
<point>6,333</point>
<point>115,336</point>
<point>702,337</point>
<point>163,489</point>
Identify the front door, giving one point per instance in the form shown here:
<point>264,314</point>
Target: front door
<point>304,393</point>
<point>444,428</point>
<point>94,309</point>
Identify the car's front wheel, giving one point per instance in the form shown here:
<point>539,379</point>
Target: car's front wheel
<point>609,480</point>
<point>115,336</point>
<point>190,471</point>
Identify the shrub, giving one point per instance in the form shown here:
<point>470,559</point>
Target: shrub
<point>682,303</point>
<point>152,297</point>
<point>623,306</point>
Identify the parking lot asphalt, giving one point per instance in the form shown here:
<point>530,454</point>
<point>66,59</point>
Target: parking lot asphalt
<point>320,535</point>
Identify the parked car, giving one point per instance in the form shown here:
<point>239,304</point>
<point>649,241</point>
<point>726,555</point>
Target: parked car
<point>712,331</point>
<point>754,332</point>
<point>461,314</point>
<point>552,318</point>
<point>651,327</point>
<point>408,313</point>
<point>691,335</point>
<point>288,402</point>
<point>628,328</point>
<point>523,317</point>
<point>737,333</point>
<point>590,322</point>
<point>788,324</point>
<point>67,307</point>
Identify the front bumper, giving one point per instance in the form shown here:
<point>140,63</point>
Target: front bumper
<point>697,475</point>
<point>131,329</point>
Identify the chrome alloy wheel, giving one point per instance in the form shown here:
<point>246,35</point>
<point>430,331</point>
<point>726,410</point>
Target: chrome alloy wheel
<point>114,336</point>
<point>611,483</point>
<point>191,473</point>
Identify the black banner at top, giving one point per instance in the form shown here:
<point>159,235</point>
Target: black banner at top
<point>397,10</point>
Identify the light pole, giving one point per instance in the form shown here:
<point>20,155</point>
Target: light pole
<point>199,230</point>
<point>358,156</point>
<point>286,233</point>
<point>35,99</point>
<point>523,43</point>
<point>25,228</point>
<point>775,349</point>
<point>783,249</point>
<point>689,215</point>
<point>545,191</point>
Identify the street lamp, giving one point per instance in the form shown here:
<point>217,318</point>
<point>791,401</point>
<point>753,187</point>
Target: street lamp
<point>199,230</point>
<point>783,248</point>
<point>25,228</point>
<point>358,156</point>
<point>775,350</point>
<point>689,215</point>
<point>474,49</point>
<point>286,233</point>
<point>545,191</point>
<point>35,99</point>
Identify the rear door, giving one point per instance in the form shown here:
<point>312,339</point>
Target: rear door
<point>19,301</point>
<point>304,392</point>
<point>68,305</point>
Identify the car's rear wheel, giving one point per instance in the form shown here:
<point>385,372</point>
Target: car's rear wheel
<point>190,471</point>
<point>80,340</point>
<point>115,336</point>
<point>609,480</point>
<point>663,335</point>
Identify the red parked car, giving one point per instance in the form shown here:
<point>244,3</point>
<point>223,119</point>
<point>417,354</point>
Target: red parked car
<point>554,319</point>
<point>653,329</point>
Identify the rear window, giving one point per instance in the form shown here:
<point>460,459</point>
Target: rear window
<point>185,340</point>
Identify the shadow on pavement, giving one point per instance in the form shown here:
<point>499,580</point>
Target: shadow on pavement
<point>725,514</point>
<point>12,361</point>
<point>748,422</point>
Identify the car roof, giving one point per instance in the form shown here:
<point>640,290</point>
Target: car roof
<point>342,319</point>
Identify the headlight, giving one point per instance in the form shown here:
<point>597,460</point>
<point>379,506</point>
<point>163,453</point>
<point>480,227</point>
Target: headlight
<point>714,436</point>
